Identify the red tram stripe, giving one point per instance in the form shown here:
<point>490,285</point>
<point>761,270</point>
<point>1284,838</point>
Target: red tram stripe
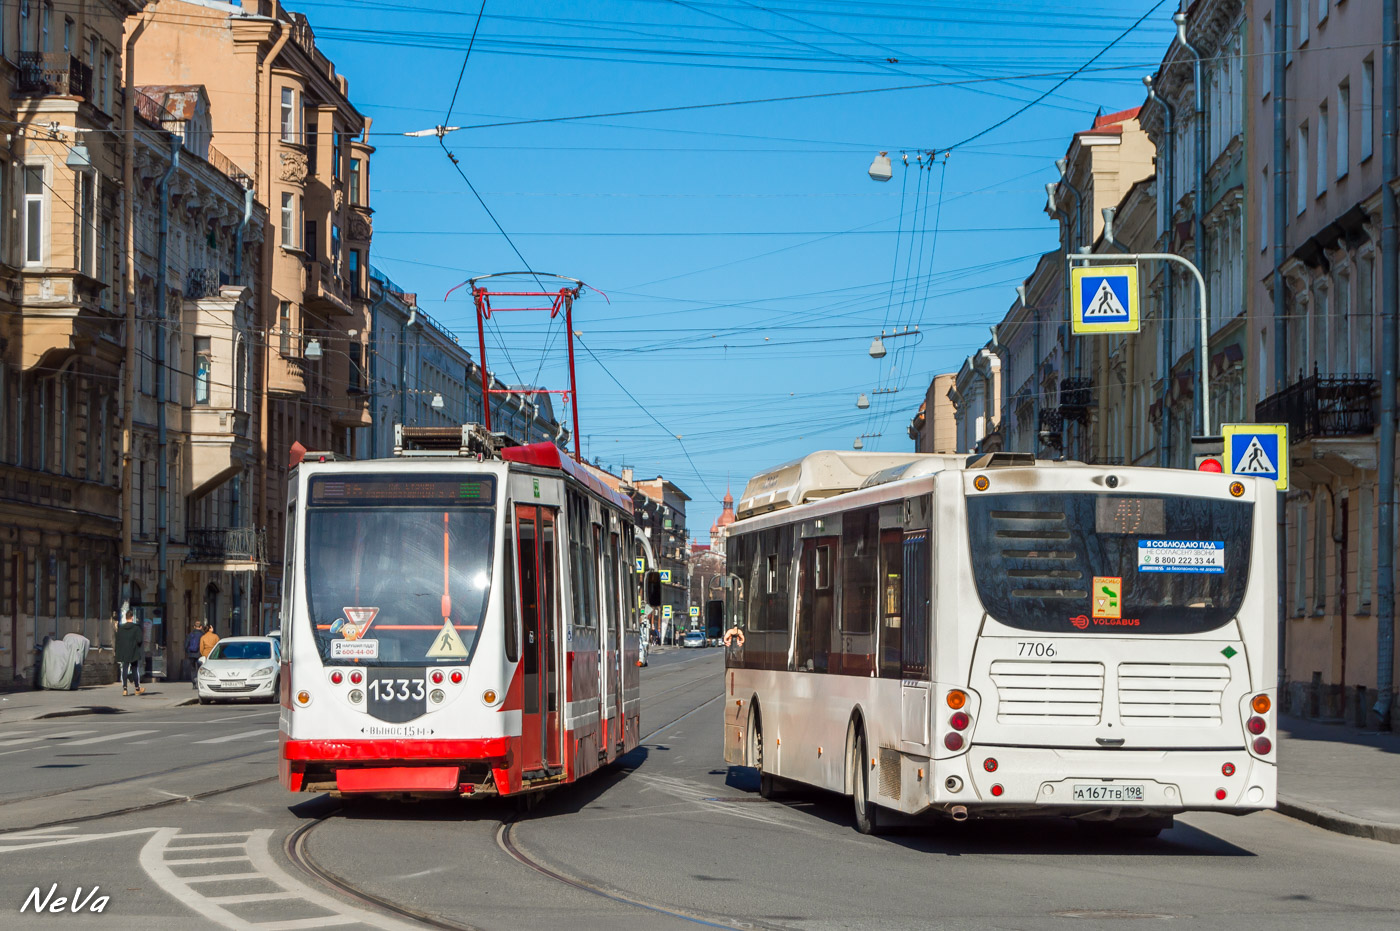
<point>481,748</point>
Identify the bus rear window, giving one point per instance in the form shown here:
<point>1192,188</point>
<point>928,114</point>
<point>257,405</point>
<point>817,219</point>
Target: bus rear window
<point>1143,564</point>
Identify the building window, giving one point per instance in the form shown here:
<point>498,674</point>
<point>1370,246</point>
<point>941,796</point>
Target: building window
<point>1319,573</point>
<point>45,20</point>
<point>1343,129</point>
<point>335,246</point>
<point>1300,549</point>
<point>284,326</point>
<point>1323,8</point>
<point>1322,146</point>
<point>289,220</point>
<point>335,154</point>
<point>24,26</point>
<point>203,369</point>
<point>1266,58</point>
<point>105,87</point>
<point>311,245</point>
<point>1365,550</point>
<point>1301,24</point>
<point>1262,199</point>
<point>289,114</point>
<point>87,222</point>
<point>1300,160</point>
<point>1363,339</point>
<point>354,272</point>
<point>34,214</point>
<point>67,35</point>
<point>1368,117</point>
<point>353,183</point>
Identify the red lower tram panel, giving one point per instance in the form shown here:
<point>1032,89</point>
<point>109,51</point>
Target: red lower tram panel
<point>456,767</point>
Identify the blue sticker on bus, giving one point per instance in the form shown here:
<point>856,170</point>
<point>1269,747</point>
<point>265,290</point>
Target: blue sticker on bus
<point>1181,556</point>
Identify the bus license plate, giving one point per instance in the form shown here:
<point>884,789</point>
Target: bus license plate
<point>1108,793</point>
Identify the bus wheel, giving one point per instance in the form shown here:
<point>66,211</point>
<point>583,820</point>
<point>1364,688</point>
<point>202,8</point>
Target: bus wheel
<point>767,787</point>
<point>867,818</point>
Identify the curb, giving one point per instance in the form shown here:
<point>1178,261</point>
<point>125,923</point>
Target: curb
<point>1338,823</point>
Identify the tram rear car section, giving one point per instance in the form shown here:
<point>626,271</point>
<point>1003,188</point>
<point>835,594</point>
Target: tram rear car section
<point>457,625</point>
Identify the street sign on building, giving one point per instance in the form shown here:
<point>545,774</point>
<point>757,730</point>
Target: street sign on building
<point>1104,299</point>
<point>1257,450</point>
<point>666,576</point>
<point>641,564</point>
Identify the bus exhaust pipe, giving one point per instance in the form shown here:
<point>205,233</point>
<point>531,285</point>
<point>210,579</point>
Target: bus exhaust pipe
<point>959,812</point>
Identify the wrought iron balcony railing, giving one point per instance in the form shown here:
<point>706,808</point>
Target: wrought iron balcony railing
<point>54,73</point>
<point>1052,424</point>
<point>1076,397</point>
<point>226,544</point>
<point>1322,406</point>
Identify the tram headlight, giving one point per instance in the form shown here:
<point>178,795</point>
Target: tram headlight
<point>437,695</point>
<point>357,696</point>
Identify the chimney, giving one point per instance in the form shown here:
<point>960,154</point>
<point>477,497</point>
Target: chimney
<point>626,476</point>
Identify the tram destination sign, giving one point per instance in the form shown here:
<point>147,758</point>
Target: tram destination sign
<point>413,489</point>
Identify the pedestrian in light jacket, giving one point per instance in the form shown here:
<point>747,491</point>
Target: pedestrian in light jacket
<point>128,651</point>
<point>207,642</point>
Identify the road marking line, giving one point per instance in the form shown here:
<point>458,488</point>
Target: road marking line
<point>250,897</point>
<point>244,834</point>
<point>227,737</point>
<point>324,921</point>
<point>241,717</point>
<point>30,740</point>
<point>183,860</point>
<point>206,846</point>
<point>151,740</point>
<point>106,737</point>
<point>218,877</point>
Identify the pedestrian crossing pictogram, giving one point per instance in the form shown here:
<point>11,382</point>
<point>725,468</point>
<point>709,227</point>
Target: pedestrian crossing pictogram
<point>447,643</point>
<point>1105,305</point>
<point>1255,461</point>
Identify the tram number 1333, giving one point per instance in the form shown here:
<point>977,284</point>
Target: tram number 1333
<point>397,689</point>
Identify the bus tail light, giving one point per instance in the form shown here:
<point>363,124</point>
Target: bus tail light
<point>303,697</point>
<point>1220,795</point>
<point>956,699</point>
<point>953,741</point>
<point>997,789</point>
<point>990,764</point>
<point>1261,704</point>
<point>1262,746</point>
<point>1228,769</point>
<point>959,721</point>
<point>1256,725</point>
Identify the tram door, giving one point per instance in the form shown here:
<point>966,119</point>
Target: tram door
<point>539,728</point>
<point>617,657</point>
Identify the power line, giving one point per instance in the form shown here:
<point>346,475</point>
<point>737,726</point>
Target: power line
<point>447,119</point>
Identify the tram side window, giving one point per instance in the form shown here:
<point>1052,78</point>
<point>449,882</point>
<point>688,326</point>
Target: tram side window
<point>590,577</point>
<point>860,531</point>
<point>917,588</point>
<point>289,579</point>
<point>610,581</point>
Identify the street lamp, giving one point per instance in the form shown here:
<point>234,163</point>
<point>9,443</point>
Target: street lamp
<point>437,402</point>
<point>312,353</point>
<point>862,401</point>
<point>880,169</point>
<point>877,348</point>
<point>858,444</point>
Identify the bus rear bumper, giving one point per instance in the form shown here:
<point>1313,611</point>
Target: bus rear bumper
<point>993,780</point>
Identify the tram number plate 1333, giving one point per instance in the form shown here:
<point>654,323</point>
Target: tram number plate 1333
<point>396,694</point>
<point>1108,793</point>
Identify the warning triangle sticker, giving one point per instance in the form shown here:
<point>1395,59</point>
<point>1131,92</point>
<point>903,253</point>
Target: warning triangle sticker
<point>1105,303</point>
<point>447,643</point>
<point>1255,461</point>
<point>357,621</point>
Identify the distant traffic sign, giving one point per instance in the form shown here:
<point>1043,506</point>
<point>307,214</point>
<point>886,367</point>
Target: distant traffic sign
<point>1105,299</point>
<point>665,612</point>
<point>641,564</point>
<point>1259,450</point>
<point>694,610</point>
<point>666,575</point>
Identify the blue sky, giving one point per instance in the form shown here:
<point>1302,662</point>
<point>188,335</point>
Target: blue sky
<point>748,258</point>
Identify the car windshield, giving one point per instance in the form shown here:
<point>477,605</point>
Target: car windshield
<point>398,571</point>
<point>1139,564</point>
<point>242,649</point>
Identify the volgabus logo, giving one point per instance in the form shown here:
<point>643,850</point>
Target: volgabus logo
<point>1080,622</point>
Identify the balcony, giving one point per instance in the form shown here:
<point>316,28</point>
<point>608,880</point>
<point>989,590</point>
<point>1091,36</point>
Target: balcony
<point>53,74</point>
<point>204,282</point>
<point>325,292</point>
<point>1052,424</point>
<point>1322,406</point>
<point>1076,397</point>
<point>226,549</point>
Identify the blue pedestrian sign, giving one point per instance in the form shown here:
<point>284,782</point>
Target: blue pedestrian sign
<point>1104,299</point>
<point>1258,450</point>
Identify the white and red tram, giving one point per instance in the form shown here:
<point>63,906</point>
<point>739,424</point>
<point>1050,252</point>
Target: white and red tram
<point>457,624</point>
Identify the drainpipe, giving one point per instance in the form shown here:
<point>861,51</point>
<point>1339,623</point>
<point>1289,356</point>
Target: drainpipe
<point>262,168</point>
<point>1280,164</point>
<point>1199,246</point>
<point>162,461</point>
<point>1035,351</point>
<point>1109,214</point>
<point>403,365</point>
<point>1167,323</point>
<point>128,384</point>
<point>1390,305</point>
<point>374,369</point>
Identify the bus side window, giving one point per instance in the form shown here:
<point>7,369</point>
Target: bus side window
<point>891,603</point>
<point>914,662</point>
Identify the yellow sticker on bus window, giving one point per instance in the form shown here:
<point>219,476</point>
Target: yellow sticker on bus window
<point>447,643</point>
<point>1107,596</point>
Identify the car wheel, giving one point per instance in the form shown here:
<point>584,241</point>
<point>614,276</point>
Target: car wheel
<point>867,816</point>
<point>204,701</point>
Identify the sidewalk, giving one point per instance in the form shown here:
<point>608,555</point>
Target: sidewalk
<point>91,699</point>
<point>1340,778</point>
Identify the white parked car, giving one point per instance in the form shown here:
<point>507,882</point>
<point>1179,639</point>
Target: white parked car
<point>241,667</point>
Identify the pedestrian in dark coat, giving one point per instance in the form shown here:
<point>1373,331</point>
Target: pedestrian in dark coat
<point>129,637</point>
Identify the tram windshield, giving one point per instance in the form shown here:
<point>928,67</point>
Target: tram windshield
<point>398,568</point>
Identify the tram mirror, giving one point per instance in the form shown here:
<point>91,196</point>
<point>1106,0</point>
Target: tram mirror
<point>653,589</point>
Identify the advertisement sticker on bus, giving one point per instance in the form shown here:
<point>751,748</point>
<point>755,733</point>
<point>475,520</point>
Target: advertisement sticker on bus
<point>1181,556</point>
<point>354,649</point>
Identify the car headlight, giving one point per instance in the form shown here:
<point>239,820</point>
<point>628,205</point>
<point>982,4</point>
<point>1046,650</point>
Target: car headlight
<point>206,673</point>
<point>265,671</point>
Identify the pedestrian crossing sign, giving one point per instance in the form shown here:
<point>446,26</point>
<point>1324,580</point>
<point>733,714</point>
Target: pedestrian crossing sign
<point>665,612</point>
<point>1105,299</point>
<point>694,610</point>
<point>1259,450</point>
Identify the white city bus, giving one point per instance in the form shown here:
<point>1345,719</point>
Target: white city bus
<point>1004,636</point>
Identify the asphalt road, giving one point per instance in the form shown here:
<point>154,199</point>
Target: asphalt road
<point>668,838</point>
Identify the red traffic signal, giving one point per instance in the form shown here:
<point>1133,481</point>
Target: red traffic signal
<point>1209,465</point>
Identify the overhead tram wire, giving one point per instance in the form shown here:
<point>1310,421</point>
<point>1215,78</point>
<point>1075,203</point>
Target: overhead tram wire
<point>607,371</point>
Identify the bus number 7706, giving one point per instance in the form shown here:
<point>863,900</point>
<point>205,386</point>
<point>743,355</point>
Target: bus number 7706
<point>1035,648</point>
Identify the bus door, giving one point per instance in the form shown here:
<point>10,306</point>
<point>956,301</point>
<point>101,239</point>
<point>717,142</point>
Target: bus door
<point>817,594</point>
<point>539,728</point>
